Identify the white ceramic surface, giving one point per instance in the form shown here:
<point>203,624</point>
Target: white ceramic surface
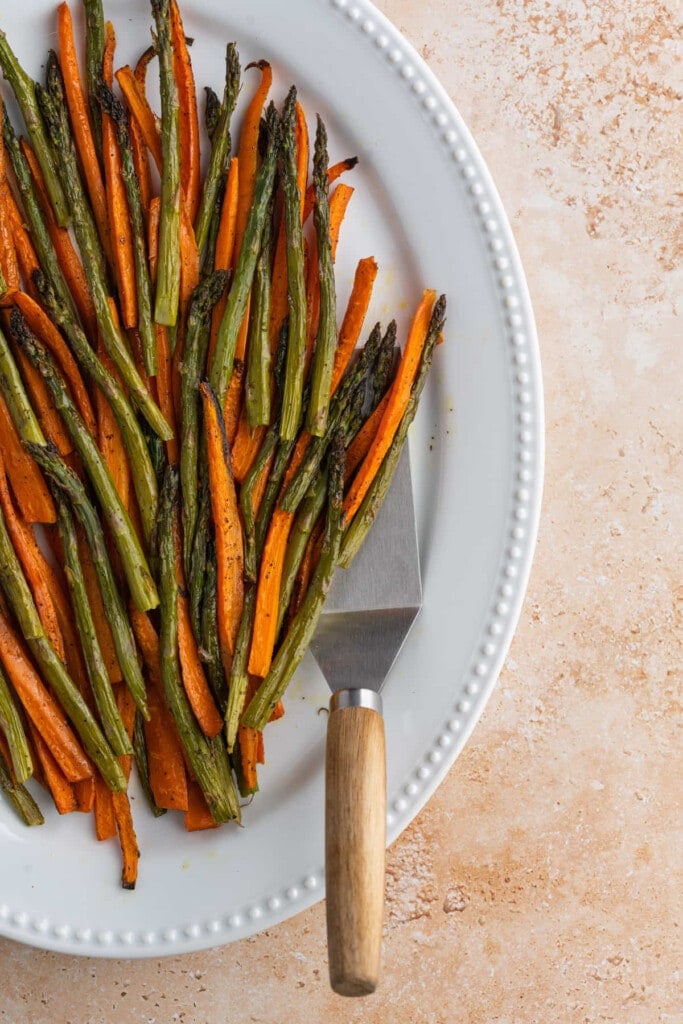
<point>426,208</point>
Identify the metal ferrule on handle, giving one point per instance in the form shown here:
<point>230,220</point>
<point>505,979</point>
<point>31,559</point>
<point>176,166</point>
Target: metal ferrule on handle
<point>356,698</point>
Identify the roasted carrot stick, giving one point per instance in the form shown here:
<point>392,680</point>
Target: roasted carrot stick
<point>29,556</point>
<point>45,331</point>
<point>105,822</point>
<point>227,525</point>
<point>63,792</point>
<point>339,202</point>
<point>354,317</point>
<point>233,400</point>
<point>69,260</point>
<point>85,795</point>
<point>8,256</point>
<point>268,593</point>
<point>333,173</point>
<point>247,153</point>
<point>130,850</point>
<point>25,253</point>
<point>197,816</point>
<point>28,485</point>
<point>189,255</point>
<point>127,710</point>
<point>40,399</point>
<point>109,437</point>
<point>190,171</point>
<point>120,231</point>
<point>40,705</point>
<point>193,675</point>
<point>141,111</point>
<point>399,396</point>
<point>164,749</point>
<point>360,446</point>
<point>80,122</point>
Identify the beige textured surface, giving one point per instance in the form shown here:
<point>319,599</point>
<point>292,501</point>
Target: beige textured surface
<point>540,883</point>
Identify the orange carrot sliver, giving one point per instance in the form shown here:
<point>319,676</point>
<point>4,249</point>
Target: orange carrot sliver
<point>247,153</point>
<point>197,816</point>
<point>339,202</point>
<point>268,593</point>
<point>28,553</point>
<point>354,317</point>
<point>105,822</point>
<point>333,173</point>
<point>141,111</point>
<point>190,171</point>
<point>63,793</point>
<point>127,838</point>
<point>399,396</point>
<point>45,330</point>
<point>227,525</point>
<point>80,120</point>
<point>120,230</point>
<point>109,437</point>
<point>225,245</point>
<point>127,710</point>
<point>25,252</point>
<point>85,795</point>
<point>41,400</point>
<point>360,446</point>
<point>40,706</point>
<point>248,740</point>
<point>28,485</point>
<point>102,627</point>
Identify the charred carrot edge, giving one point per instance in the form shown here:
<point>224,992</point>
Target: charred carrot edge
<point>62,791</point>
<point>399,396</point>
<point>40,706</point>
<point>28,486</point>
<point>69,260</point>
<point>120,230</point>
<point>192,672</point>
<point>354,317</point>
<point>190,157</point>
<point>105,822</point>
<point>260,749</point>
<point>80,122</point>
<point>45,330</point>
<point>141,112</point>
<point>26,548</point>
<point>278,712</point>
<point>126,707</point>
<point>227,524</point>
<point>197,816</point>
<point>333,173</point>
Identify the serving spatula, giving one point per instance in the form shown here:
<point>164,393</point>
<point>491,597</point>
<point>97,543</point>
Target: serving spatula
<point>368,614</point>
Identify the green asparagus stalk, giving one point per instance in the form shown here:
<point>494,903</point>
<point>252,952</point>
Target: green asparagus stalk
<point>300,633</point>
<point>110,717</point>
<point>306,518</point>
<point>124,643</point>
<point>168,266</point>
<point>220,146</point>
<point>143,284</point>
<point>20,798</point>
<point>317,448</point>
<point>226,340</point>
<point>357,530</point>
<point>140,751</point>
<point>210,768</point>
<point>258,385</point>
<point>208,631</point>
<point>133,559</point>
<point>326,342</point>
<point>266,450</point>
<point>296,348</point>
<point>199,553</point>
<point>94,55</point>
<point>24,90</point>
<point>12,388</point>
<point>239,676</point>
<point>12,728</point>
<point>53,107</point>
<point>21,601</point>
<point>40,235</point>
<point>204,298</point>
<point>138,448</point>
<point>208,258</point>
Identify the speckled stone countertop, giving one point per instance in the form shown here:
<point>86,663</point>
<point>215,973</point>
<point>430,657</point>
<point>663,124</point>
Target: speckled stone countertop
<point>540,883</point>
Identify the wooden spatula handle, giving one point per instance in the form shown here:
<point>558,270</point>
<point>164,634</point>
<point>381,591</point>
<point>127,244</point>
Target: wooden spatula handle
<point>355,838</point>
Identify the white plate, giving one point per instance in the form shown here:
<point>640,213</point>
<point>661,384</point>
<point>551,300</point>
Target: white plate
<point>425,206</point>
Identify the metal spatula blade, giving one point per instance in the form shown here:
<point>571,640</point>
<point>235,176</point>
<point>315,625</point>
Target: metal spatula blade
<point>369,612</point>
<point>372,605</point>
